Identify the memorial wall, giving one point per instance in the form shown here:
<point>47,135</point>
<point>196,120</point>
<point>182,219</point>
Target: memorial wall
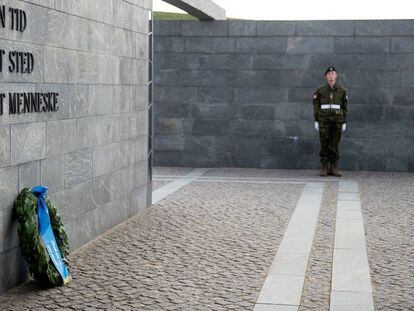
<point>73,115</point>
<point>239,93</point>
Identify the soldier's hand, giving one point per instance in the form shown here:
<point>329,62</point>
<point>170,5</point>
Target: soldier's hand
<point>343,127</point>
<point>317,126</point>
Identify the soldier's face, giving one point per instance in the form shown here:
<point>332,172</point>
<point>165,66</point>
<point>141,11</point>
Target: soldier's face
<point>331,77</point>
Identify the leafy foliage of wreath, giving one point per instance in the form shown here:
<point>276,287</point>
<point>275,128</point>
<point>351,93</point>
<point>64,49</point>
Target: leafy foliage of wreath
<point>37,258</point>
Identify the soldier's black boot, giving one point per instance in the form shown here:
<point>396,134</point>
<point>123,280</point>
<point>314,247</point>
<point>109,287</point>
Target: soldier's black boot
<point>335,170</point>
<point>324,169</point>
<point>330,169</point>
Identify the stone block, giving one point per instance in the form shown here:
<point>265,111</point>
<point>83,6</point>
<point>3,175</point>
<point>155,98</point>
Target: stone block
<point>135,149</point>
<point>70,203</point>
<point>261,45</point>
<point>204,78</point>
<point>86,100</point>
<point>78,167</point>
<point>1,233</point>
<point>167,28</point>
<point>300,95</point>
<point>11,238</point>
<point>260,128</point>
<point>377,78</point>
<point>122,98</point>
<point>91,70</point>
<point>213,61</point>
<point>98,192</point>
<point>384,28</point>
<point>201,144</point>
<point>371,96</point>
<point>169,143</point>
<point>255,78</point>
<point>362,45</point>
<point>215,95</point>
<point>172,126</point>
<point>169,44</point>
<point>177,61</point>
<point>166,77</point>
<point>28,142</point>
<point>139,98</point>
<point>137,125</point>
<point>52,173</point>
<point>63,101</point>
<point>294,111</point>
<point>35,76</point>
<point>400,61</point>
<point>212,127</point>
<point>310,45</point>
<point>395,113</point>
<point>301,129</point>
<point>61,65</point>
<point>140,174</point>
<point>365,113</point>
<point>89,226</point>
<point>242,28</point>
<point>210,45</point>
<point>8,186</point>
<point>403,96</point>
<point>29,174</point>
<point>108,158</point>
<point>168,158</point>
<point>204,28</point>
<point>213,111</point>
<point>407,78</point>
<point>61,136</point>
<point>254,95</point>
<point>122,42</point>
<point>276,28</point>
<point>13,271</point>
<point>114,213</point>
<point>172,110</point>
<point>4,146</point>
<point>402,44</point>
<point>325,28</point>
<point>137,201</point>
<point>257,112</point>
<point>140,18</point>
<point>88,132</point>
<point>141,46</point>
<point>175,94</point>
<point>279,61</point>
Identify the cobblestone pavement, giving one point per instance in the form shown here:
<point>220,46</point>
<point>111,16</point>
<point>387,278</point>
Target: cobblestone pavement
<point>205,247</point>
<point>317,288</point>
<point>388,209</point>
<point>209,245</point>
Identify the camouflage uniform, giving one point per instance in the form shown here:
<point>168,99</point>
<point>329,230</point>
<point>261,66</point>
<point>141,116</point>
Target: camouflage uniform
<point>330,119</point>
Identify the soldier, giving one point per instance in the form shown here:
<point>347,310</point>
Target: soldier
<point>329,109</point>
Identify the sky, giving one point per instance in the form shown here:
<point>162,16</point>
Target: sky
<point>308,9</point>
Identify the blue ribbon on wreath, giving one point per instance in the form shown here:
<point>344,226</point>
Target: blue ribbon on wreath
<point>46,232</point>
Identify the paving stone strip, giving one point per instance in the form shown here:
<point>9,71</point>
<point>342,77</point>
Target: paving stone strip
<point>206,246</point>
<point>351,280</point>
<point>284,282</point>
<point>317,288</point>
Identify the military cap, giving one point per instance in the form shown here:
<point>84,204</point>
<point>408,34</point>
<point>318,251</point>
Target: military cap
<point>329,69</point>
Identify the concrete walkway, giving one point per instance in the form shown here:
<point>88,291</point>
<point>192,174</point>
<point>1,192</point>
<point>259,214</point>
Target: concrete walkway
<point>249,239</point>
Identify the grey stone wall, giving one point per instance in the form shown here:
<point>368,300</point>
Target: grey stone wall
<point>239,93</point>
<point>93,152</point>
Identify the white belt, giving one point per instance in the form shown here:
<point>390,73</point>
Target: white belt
<point>330,106</point>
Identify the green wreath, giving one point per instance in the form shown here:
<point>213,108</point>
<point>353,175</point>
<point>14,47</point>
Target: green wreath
<point>36,256</point>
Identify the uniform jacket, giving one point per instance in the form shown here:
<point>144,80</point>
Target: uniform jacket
<point>334,96</point>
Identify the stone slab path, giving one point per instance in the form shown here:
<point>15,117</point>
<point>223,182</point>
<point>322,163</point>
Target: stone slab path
<point>249,239</point>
